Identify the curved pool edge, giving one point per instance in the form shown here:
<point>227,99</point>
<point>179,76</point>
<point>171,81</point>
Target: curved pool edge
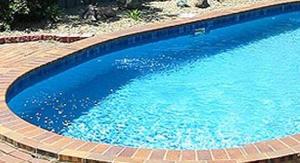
<point>27,136</point>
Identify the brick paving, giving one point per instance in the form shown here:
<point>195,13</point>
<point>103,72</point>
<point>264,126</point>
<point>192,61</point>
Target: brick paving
<point>10,154</point>
<point>20,53</point>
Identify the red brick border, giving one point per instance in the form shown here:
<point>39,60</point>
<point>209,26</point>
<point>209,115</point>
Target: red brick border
<point>42,37</point>
<point>27,136</point>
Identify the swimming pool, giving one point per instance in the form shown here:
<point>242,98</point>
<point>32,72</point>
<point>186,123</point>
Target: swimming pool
<point>226,87</point>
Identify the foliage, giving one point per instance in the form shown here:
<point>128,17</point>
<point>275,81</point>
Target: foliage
<point>134,14</point>
<point>13,11</point>
<point>53,13</point>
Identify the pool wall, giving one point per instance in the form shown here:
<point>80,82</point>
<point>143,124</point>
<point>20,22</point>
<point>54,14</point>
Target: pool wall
<point>71,55</point>
<point>189,28</point>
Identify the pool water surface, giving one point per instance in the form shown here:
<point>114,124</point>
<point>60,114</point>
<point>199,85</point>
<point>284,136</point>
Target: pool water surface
<point>227,87</point>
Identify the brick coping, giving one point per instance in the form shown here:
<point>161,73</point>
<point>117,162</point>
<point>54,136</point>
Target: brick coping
<point>16,131</point>
<point>42,37</point>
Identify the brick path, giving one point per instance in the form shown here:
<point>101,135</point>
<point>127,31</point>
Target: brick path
<point>19,52</point>
<point>11,154</point>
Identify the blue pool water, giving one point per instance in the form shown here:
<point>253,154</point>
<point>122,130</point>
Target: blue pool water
<point>231,86</point>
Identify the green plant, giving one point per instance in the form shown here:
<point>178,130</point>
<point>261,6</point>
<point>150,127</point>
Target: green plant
<point>14,11</point>
<point>18,7</point>
<point>8,9</point>
<point>53,13</point>
<point>135,14</point>
<point>4,26</point>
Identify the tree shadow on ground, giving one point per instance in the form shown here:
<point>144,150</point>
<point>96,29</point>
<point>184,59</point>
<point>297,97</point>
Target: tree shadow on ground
<point>73,17</point>
<point>151,13</point>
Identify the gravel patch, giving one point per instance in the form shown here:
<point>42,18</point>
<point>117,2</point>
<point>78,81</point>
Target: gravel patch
<point>153,12</point>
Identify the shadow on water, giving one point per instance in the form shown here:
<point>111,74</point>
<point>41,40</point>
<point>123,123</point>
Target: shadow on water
<point>55,102</point>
